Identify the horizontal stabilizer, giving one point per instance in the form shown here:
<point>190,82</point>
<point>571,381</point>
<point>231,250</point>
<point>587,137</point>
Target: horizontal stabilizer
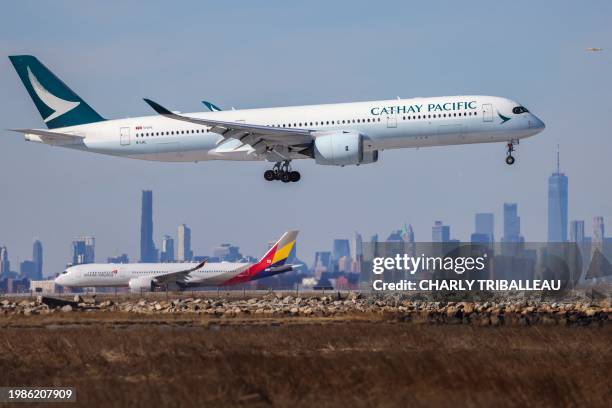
<point>50,137</point>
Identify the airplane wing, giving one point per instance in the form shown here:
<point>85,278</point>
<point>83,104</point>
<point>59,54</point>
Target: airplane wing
<point>54,138</point>
<point>178,276</point>
<point>261,138</point>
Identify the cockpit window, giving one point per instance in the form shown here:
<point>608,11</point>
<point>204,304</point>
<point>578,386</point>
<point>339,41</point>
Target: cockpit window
<point>65,272</point>
<point>519,109</point>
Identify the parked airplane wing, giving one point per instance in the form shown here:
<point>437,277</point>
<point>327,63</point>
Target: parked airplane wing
<point>51,137</point>
<point>257,136</point>
<point>179,275</point>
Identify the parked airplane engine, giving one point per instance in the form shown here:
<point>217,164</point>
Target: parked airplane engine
<point>142,283</point>
<point>342,149</point>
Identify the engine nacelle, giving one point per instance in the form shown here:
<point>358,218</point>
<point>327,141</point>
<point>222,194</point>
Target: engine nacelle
<point>142,283</point>
<point>370,157</point>
<point>339,149</point>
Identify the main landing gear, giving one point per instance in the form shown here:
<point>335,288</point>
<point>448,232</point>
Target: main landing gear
<point>509,156</point>
<point>282,171</point>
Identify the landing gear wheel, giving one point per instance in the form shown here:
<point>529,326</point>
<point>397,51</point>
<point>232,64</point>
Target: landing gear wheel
<point>294,176</point>
<point>282,171</point>
<point>270,175</point>
<point>509,157</point>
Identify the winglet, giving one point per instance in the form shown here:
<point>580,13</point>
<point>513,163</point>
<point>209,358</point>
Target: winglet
<point>157,107</point>
<point>211,106</point>
<point>199,266</point>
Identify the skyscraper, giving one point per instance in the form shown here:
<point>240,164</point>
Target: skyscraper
<point>83,250</point>
<point>484,227</point>
<point>577,231</point>
<point>5,265</point>
<point>557,206</point>
<point>340,249</point>
<point>356,252</point>
<point>148,252</point>
<point>440,232</point>
<point>167,249</point>
<point>598,234</point>
<point>27,269</point>
<point>322,262</point>
<point>184,252</point>
<point>37,258</point>
<point>512,224</point>
<point>227,253</point>
<point>356,246</point>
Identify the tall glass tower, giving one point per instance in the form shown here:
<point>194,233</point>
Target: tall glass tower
<point>148,252</point>
<point>512,224</point>
<point>557,206</point>
<point>37,258</point>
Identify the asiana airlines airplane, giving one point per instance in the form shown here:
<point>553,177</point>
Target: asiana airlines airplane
<point>181,275</point>
<point>339,134</point>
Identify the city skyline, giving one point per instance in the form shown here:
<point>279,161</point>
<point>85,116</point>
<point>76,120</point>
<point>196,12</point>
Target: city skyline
<point>83,247</point>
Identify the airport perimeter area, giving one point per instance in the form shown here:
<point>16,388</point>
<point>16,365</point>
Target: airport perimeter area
<point>248,349</point>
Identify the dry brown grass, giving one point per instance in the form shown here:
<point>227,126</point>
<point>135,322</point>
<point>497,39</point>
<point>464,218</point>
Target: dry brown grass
<point>322,363</point>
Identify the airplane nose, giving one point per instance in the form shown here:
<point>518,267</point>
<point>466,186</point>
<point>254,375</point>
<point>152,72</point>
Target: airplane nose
<point>536,123</point>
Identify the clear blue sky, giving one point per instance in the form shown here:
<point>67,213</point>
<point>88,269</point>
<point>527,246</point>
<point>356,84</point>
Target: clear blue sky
<point>259,54</point>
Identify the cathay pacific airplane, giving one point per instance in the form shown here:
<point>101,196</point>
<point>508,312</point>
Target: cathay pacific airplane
<point>333,134</point>
<point>147,276</point>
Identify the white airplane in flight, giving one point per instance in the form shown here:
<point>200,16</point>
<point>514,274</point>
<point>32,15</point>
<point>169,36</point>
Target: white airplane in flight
<point>333,134</point>
<point>147,276</point>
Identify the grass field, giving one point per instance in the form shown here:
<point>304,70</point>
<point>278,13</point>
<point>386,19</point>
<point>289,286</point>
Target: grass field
<point>323,362</point>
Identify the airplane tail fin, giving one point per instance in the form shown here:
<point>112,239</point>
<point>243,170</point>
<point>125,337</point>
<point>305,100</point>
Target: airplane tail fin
<point>58,105</point>
<point>279,252</point>
<point>272,263</point>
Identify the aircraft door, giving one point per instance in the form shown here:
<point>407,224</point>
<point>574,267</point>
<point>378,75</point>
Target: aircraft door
<point>487,112</point>
<point>392,121</point>
<point>124,137</point>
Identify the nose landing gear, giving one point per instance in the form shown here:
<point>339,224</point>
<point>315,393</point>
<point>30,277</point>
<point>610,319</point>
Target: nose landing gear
<point>282,171</point>
<point>509,156</point>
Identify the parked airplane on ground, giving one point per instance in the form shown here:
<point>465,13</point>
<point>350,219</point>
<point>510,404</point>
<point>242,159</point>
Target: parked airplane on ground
<point>334,134</point>
<point>147,276</point>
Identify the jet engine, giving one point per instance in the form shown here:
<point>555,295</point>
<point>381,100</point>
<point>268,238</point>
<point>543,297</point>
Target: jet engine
<point>342,149</point>
<point>140,284</point>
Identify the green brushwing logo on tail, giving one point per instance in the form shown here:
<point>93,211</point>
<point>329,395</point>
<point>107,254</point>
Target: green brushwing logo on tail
<point>503,118</point>
<point>58,105</point>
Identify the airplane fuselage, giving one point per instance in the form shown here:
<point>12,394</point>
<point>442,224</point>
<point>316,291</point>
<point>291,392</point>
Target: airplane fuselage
<point>386,124</point>
<point>120,275</point>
